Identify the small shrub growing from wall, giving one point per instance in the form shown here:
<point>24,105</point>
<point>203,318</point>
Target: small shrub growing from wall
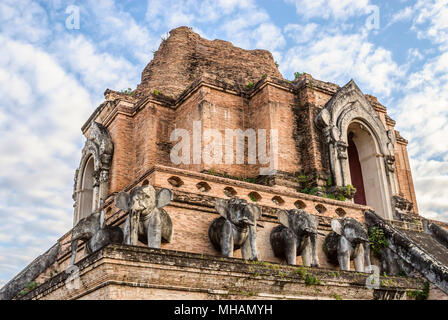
<point>378,240</point>
<point>419,294</point>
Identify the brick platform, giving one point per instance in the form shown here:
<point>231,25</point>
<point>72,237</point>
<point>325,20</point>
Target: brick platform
<point>129,272</point>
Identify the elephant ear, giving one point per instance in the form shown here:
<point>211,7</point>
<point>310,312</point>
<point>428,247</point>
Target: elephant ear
<point>123,201</point>
<point>283,218</point>
<point>164,196</point>
<point>167,226</point>
<point>336,226</point>
<point>255,210</point>
<point>220,206</point>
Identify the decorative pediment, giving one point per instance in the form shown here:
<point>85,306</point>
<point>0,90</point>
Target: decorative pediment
<point>347,105</point>
<point>99,148</point>
<point>99,143</point>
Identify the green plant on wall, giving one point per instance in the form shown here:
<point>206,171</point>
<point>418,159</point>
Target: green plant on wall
<point>127,91</point>
<point>308,185</point>
<point>378,240</point>
<point>419,294</point>
<point>349,191</point>
<point>30,286</point>
<point>297,75</point>
<point>311,280</point>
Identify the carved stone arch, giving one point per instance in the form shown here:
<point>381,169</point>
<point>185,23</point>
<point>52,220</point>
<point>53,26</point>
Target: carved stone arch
<point>99,148</point>
<point>370,120</point>
<point>346,108</point>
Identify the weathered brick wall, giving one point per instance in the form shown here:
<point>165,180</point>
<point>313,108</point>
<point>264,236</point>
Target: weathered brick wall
<point>403,172</point>
<point>185,57</point>
<point>123,160</point>
<point>127,272</point>
<point>313,150</point>
<point>209,80</point>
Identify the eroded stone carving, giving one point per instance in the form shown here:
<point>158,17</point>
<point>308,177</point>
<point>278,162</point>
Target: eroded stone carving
<point>94,231</point>
<point>147,221</point>
<point>31,272</point>
<point>98,146</point>
<point>430,263</point>
<point>349,105</point>
<point>296,236</point>
<point>402,207</point>
<point>349,240</point>
<point>236,228</point>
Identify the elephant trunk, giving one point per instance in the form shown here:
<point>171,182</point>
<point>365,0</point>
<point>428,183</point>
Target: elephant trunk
<point>314,258</point>
<point>367,253</point>
<point>253,244</point>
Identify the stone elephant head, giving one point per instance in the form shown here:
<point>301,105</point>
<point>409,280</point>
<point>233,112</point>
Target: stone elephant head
<point>296,235</point>
<point>147,221</point>
<point>349,240</point>
<point>236,228</point>
<point>94,231</point>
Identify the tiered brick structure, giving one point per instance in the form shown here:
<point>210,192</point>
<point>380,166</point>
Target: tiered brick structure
<point>194,80</point>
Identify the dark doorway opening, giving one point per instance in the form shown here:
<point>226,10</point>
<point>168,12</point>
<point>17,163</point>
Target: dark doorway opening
<point>355,171</point>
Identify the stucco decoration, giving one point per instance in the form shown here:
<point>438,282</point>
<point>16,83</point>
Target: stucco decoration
<point>346,107</point>
<point>99,149</point>
<point>349,240</point>
<point>147,221</point>
<point>236,228</point>
<point>94,231</point>
<point>296,235</point>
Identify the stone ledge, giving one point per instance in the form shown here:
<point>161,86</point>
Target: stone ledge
<point>138,269</point>
<point>243,184</point>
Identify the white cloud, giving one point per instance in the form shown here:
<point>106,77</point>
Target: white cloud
<point>28,15</point>
<point>117,30</point>
<point>301,33</point>
<point>38,151</point>
<point>422,117</point>
<point>339,57</point>
<point>432,21</point>
<point>429,20</point>
<point>189,12</point>
<point>97,70</point>
<point>242,22</point>
<point>337,9</point>
<point>402,15</point>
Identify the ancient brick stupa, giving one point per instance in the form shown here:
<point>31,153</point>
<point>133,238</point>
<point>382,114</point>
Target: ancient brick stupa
<point>215,131</point>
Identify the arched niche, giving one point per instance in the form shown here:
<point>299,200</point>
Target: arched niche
<point>86,190</point>
<point>366,168</point>
<point>91,185</point>
<point>346,111</point>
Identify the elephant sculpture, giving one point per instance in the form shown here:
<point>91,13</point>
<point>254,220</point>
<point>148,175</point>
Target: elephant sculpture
<point>349,240</point>
<point>147,221</point>
<point>236,228</point>
<point>95,233</point>
<point>296,235</point>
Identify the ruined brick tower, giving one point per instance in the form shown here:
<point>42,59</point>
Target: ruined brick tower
<point>322,143</point>
<point>223,87</point>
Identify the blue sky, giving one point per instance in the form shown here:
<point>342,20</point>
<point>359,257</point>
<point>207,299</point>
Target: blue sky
<point>52,78</point>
